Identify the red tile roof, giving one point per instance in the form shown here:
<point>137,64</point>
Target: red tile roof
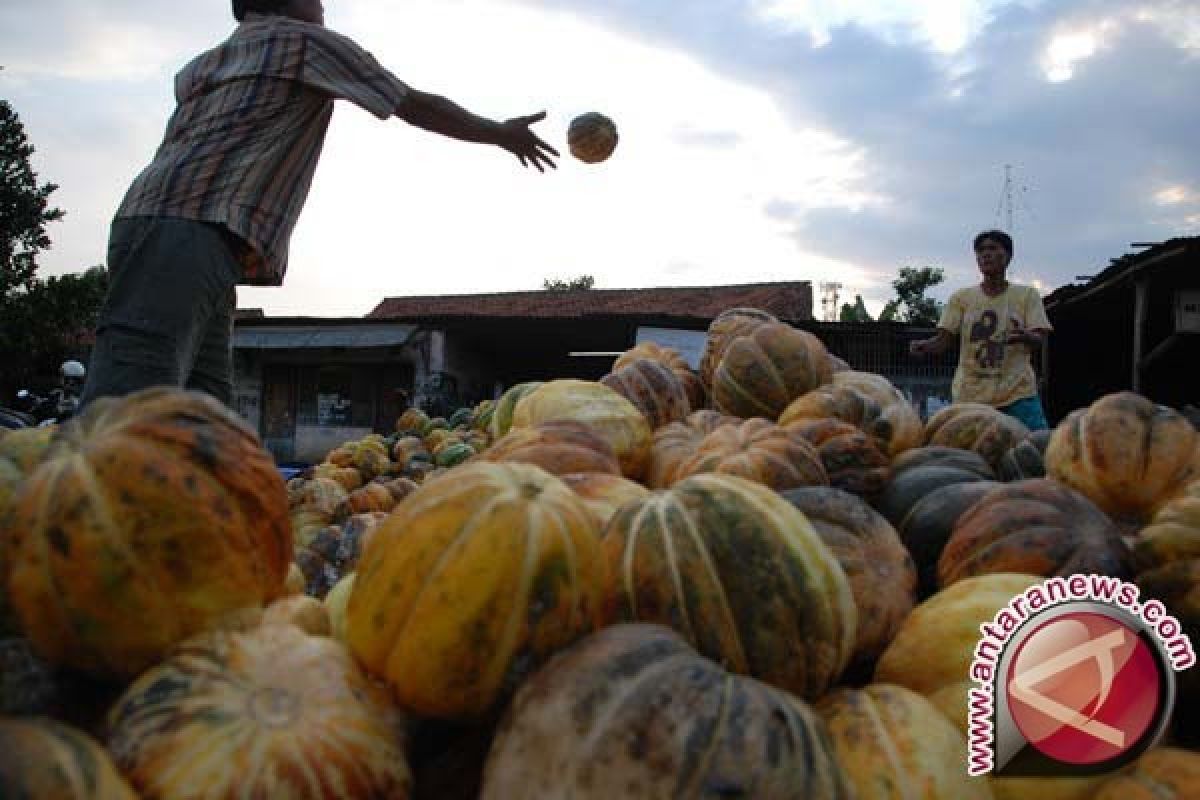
<point>788,300</point>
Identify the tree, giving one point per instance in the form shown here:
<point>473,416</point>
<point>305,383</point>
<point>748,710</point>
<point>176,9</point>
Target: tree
<point>24,210</point>
<point>855,313</point>
<point>42,322</point>
<point>46,324</point>
<point>910,304</point>
<point>556,285</point>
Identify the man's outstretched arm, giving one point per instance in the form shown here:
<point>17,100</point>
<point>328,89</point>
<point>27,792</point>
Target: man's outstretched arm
<point>438,114</point>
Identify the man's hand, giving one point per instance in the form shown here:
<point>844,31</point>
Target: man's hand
<point>440,115</point>
<point>527,146</point>
<point>1018,335</point>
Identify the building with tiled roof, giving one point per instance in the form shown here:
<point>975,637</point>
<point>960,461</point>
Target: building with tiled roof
<point>789,300</point>
<point>307,384</point>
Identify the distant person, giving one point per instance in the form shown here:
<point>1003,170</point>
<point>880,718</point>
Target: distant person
<point>217,205</point>
<point>997,325</point>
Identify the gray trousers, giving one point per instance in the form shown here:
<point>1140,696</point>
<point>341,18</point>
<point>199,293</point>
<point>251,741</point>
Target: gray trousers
<point>168,316</point>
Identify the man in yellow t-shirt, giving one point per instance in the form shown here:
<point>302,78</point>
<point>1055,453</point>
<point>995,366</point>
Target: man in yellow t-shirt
<point>997,324</point>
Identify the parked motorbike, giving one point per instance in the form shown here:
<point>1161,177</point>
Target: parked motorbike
<point>33,410</point>
<point>11,419</point>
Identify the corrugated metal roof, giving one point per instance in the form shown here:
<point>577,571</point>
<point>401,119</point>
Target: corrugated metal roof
<point>298,337</point>
<point>1122,270</point>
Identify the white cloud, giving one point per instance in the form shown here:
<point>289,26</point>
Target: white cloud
<point>946,25</point>
<point>108,53</point>
<point>401,212</point>
<point>1073,44</point>
<point>1180,206</point>
<point>1077,39</point>
<point>743,149</point>
<point>397,211</point>
<point>1175,196</point>
<point>1178,20</point>
<point>104,42</point>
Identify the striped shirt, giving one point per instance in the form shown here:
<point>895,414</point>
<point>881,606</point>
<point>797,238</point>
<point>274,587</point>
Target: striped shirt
<point>242,145</point>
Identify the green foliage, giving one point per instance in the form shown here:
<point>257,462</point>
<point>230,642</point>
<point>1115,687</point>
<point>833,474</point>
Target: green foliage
<point>855,313</point>
<point>42,322</point>
<point>556,285</point>
<point>24,210</point>
<point>42,326</point>
<point>910,305</point>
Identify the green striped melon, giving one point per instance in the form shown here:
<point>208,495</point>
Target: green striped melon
<point>634,712</point>
<point>741,573</point>
<point>502,413</point>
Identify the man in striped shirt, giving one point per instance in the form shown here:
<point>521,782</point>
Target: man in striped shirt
<point>217,205</point>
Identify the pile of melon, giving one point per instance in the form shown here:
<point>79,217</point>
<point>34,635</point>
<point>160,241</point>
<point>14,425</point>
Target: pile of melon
<point>336,504</point>
<point>761,579</point>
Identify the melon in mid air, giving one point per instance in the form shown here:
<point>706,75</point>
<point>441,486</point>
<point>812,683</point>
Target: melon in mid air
<point>592,137</point>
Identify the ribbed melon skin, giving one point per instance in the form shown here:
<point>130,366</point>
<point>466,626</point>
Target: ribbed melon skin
<point>741,574</point>
<point>44,758</point>
<point>148,519</point>
<point>634,712</point>
<point>653,388</point>
<point>1128,455</point>
<point>271,712</point>
<point>606,412</point>
<point>893,744</point>
<point>476,579</point>
<point>762,372</point>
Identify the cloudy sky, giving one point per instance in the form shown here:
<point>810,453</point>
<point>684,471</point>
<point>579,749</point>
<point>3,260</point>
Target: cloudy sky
<point>827,140</point>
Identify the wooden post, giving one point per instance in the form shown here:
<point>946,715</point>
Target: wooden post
<point>1140,304</point>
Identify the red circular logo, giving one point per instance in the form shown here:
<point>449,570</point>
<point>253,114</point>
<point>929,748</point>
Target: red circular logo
<point>1083,688</point>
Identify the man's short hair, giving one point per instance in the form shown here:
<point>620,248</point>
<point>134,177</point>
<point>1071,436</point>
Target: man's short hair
<point>240,7</point>
<point>999,237</point>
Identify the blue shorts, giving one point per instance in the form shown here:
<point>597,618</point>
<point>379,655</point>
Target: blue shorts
<point>1029,411</point>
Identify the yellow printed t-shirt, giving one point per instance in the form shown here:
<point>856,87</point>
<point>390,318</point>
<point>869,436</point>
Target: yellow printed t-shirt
<point>990,371</point>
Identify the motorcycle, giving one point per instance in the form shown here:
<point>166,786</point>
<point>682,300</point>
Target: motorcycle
<point>37,411</point>
<point>12,419</point>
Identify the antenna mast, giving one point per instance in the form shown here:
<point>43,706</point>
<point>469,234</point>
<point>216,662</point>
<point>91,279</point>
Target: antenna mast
<point>1012,195</point>
<point>1005,207</point>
